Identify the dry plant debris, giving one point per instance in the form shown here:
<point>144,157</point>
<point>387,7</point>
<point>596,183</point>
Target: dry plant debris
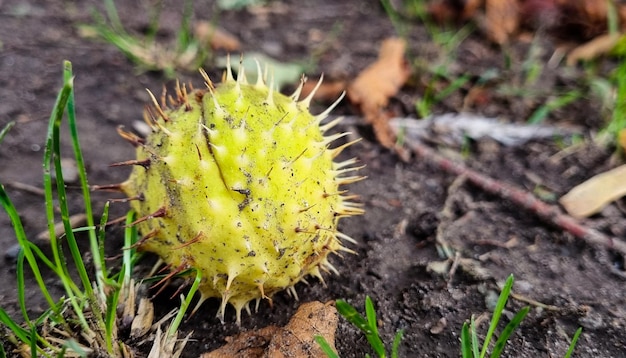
<point>295,340</point>
<point>380,81</point>
<point>504,20</point>
<point>594,194</point>
<point>595,48</point>
<point>215,37</point>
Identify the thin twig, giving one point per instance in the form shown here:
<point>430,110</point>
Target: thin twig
<point>520,197</point>
<point>26,188</point>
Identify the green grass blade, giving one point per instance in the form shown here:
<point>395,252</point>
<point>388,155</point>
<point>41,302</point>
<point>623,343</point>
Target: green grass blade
<point>61,353</point>
<point>455,85</point>
<point>504,296</point>
<point>184,32</point>
<point>42,257</point>
<point>99,244</point>
<point>618,117</point>
<point>75,347</point>
<point>21,285</point>
<point>57,113</point>
<point>33,342</point>
<point>109,318</point>
<point>543,111</point>
<point>113,16</point>
<point>130,237</point>
<point>370,313</point>
<point>508,330</point>
<point>21,333</point>
<point>474,334</point>
<point>2,352</point>
<point>186,302</point>
<point>395,347</point>
<point>82,173</point>
<point>6,130</point>
<point>60,185</point>
<point>325,347</point>
<point>354,317</point>
<point>466,342</point>
<point>52,153</point>
<point>572,345</point>
<point>23,242</point>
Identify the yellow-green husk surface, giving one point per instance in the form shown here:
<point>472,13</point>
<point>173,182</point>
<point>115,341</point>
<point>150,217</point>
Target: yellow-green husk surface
<point>239,182</point>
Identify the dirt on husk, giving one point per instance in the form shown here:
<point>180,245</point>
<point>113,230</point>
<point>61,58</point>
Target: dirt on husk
<point>412,207</point>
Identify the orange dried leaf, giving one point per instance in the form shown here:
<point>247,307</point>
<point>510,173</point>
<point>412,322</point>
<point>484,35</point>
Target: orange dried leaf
<point>297,338</point>
<point>502,19</point>
<point>216,38</point>
<point>371,90</point>
<point>593,49</point>
<point>250,344</point>
<point>382,79</point>
<point>594,194</point>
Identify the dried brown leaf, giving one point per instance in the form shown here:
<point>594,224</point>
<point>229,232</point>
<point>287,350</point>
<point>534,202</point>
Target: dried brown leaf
<point>502,19</point>
<point>373,87</point>
<point>216,38</point>
<point>593,49</point>
<point>446,11</point>
<point>143,320</point>
<point>297,338</point>
<point>594,194</point>
<point>250,344</point>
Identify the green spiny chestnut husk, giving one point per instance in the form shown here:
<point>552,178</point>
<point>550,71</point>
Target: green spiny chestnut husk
<point>239,182</point>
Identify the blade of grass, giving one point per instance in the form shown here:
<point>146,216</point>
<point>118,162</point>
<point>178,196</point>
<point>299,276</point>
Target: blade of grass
<point>540,114</point>
<point>109,318</point>
<point>60,184</point>
<point>354,317</point>
<point>466,342</point>
<point>113,16</point>
<point>184,32</point>
<point>370,313</point>
<point>475,346</point>
<point>33,342</point>
<point>618,117</point>
<point>455,85</point>
<point>572,345</point>
<point>57,112</point>
<point>130,237</point>
<point>504,296</point>
<point>508,330</point>
<point>75,347</point>
<point>98,260</point>
<point>52,154</point>
<point>186,302</point>
<point>396,343</point>
<point>6,130</point>
<point>23,242</point>
<point>21,333</point>
<point>325,347</point>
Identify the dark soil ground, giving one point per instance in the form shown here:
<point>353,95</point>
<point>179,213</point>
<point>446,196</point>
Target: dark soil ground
<point>410,205</point>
